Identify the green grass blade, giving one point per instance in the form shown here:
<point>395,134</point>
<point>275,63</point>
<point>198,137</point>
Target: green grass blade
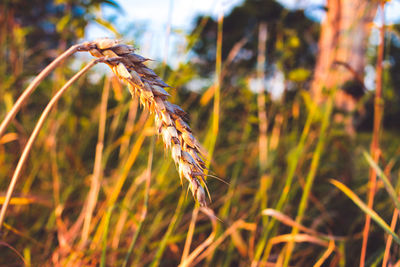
<point>171,227</point>
<point>293,160</point>
<point>386,182</point>
<point>310,176</point>
<point>105,234</point>
<point>365,209</point>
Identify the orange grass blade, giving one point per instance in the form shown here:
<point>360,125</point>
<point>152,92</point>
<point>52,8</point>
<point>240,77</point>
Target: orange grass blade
<point>290,222</point>
<point>390,238</point>
<point>378,114</point>
<point>327,253</point>
<point>191,259</point>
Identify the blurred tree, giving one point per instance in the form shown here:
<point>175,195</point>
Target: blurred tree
<point>291,42</point>
<point>391,89</point>
<point>342,54</point>
<point>32,31</point>
<point>32,34</point>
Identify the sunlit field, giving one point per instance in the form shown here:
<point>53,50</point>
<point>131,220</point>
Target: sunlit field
<point>265,136</point>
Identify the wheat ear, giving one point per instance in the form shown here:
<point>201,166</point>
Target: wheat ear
<point>171,121</point>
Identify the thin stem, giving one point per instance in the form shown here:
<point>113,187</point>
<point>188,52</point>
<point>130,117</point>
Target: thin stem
<point>292,166</point>
<point>262,114</point>
<point>216,109</point>
<point>189,237</point>
<point>175,219</point>
<point>389,240</point>
<point>38,79</point>
<point>97,169</point>
<point>195,257</point>
<point>146,203</point>
<point>34,134</point>
<point>310,178</point>
<point>375,151</point>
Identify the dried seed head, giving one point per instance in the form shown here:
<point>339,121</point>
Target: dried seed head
<point>166,118</point>
<point>146,71</point>
<point>184,170</point>
<point>158,122</point>
<point>134,58</point>
<point>160,83</point>
<point>105,43</point>
<point>158,90</point>
<point>147,93</point>
<point>95,53</point>
<point>122,49</point>
<point>189,139</point>
<point>109,53</point>
<point>188,158</point>
<point>123,72</point>
<point>198,192</point>
<point>176,152</point>
<point>172,131</point>
<point>136,78</point>
<point>170,120</point>
<point>166,137</point>
<point>196,156</point>
<point>182,126</point>
<point>160,103</point>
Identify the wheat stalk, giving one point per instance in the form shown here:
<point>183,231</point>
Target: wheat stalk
<point>35,133</point>
<point>171,121</point>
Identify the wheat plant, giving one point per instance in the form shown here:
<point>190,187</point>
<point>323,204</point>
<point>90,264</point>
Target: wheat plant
<point>171,121</point>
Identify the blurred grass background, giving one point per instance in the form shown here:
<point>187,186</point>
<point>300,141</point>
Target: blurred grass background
<point>143,215</point>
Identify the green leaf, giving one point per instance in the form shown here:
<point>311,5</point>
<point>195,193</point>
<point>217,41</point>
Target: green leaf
<point>299,75</point>
<point>107,25</point>
<point>64,21</point>
<point>366,209</point>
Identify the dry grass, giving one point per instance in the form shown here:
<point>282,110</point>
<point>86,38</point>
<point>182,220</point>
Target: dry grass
<point>125,210</point>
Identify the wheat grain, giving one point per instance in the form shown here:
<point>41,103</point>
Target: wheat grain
<point>170,120</point>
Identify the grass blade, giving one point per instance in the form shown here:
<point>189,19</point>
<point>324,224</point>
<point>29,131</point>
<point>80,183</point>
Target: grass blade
<point>311,176</point>
<point>105,233</point>
<point>386,182</point>
<point>175,219</point>
<point>365,209</point>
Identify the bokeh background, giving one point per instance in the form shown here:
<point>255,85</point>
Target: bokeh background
<point>284,95</point>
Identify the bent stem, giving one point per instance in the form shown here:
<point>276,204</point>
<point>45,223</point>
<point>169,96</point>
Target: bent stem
<point>35,133</point>
<point>194,258</point>
<point>190,234</point>
<point>38,79</point>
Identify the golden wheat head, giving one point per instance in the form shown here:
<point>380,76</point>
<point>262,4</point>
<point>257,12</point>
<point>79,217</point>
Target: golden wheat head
<point>171,121</point>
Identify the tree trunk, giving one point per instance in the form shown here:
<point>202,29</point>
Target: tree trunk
<point>341,58</point>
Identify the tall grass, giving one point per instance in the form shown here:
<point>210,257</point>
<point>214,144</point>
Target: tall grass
<point>109,195</point>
